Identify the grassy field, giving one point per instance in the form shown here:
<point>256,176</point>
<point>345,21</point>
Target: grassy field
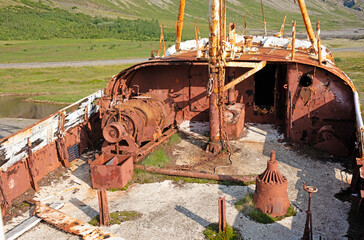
<point>58,50</point>
<point>60,85</point>
<point>352,63</point>
<point>70,84</point>
<point>343,43</point>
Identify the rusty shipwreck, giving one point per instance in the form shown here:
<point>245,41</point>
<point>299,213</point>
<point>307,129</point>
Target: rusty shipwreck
<point>226,80</point>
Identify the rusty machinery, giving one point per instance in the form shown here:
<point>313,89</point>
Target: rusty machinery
<point>271,195</point>
<point>131,123</point>
<point>131,127</point>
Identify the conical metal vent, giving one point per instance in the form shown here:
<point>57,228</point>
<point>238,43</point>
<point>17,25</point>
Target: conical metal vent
<point>271,174</point>
<point>270,194</point>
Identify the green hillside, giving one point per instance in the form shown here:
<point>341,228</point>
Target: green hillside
<point>45,19</point>
<point>36,20</point>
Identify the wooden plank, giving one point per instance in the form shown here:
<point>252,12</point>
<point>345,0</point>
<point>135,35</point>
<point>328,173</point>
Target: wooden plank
<point>28,224</point>
<point>246,75</point>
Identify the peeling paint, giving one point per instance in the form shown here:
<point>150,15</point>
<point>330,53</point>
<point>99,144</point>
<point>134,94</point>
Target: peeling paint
<point>12,148</point>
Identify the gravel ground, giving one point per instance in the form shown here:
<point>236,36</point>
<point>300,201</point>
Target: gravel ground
<point>175,210</point>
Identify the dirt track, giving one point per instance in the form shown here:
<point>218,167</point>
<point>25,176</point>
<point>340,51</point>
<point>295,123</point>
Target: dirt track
<point>349,49</point>
<point>72,63</point>
<point>114,62</point>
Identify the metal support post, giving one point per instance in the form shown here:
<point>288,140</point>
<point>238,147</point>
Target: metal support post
<point>307,234</point>
<point>181,15</point>
<point>30,164</point>
<point>318,32</point>
<point>293,39</point>
<point>222,214</point>
<point>103,207</point>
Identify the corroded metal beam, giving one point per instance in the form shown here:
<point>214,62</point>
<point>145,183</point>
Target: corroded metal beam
<point>293,39</point>
<point>161,39</point>
<point>214,42</point>
<point>281,32</point>
<point>318,32</point>
<point>242,64</point>
<point>214,26</point>
<point>103,207</point>
<point>30,164</point>
<point>181,15</point>
<point>70,224</point>
<point>257,67</point>
<point>217,177</point>
<point>307,22</point>
<point>26,225</point>
<point>198,37</point>
<point>222,214</point>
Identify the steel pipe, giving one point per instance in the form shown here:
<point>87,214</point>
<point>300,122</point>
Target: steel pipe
<point>181,15</point>
<point>241,179</point>
<point>307,22</point>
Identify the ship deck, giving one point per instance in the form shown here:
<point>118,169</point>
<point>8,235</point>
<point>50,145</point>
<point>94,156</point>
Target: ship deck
<point>178,210</point>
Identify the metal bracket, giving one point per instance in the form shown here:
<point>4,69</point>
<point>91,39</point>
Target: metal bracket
<point>103,207</point>
<point>256,67</point>
<point>222,214</point>
<point>30,166</point>
<point>62,152</point>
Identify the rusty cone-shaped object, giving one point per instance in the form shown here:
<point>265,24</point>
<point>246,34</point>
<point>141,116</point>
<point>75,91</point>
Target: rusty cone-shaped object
<point>270,194</point>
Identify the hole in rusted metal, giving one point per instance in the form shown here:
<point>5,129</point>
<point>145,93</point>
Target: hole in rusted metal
<point>305,80</point>
<point>264,86</point>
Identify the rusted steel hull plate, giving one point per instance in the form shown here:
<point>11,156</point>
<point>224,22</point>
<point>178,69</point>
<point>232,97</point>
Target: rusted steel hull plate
<point>16,174</point>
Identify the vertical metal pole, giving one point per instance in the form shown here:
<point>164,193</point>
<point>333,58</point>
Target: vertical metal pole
<point>214,26</point>
<point>224,28</point>
<point>103,207</point>
<point>214,39</point>
<point>60,142</point>
<point>181,15</point>
<point>160,44</point>
<point>161,39</point>
<point>197,33</point>
<point>318,31</point>
<point>30,164</point>
<point>307,234</point>
<point>281,32</point>
<point>222,214</point>
<point>293,39</point>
